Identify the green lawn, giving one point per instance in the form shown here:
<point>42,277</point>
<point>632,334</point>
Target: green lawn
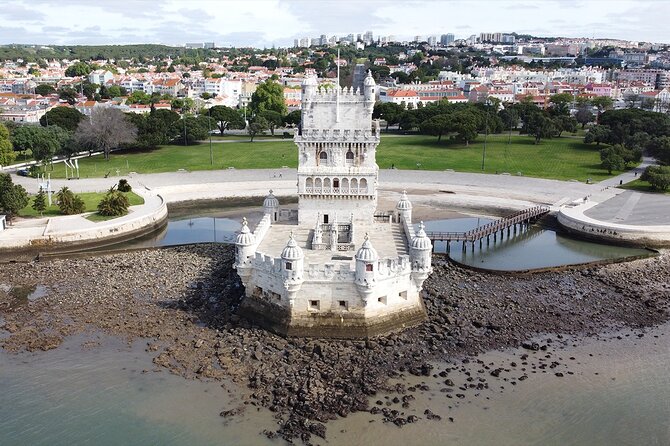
<point>642,186</point>
<point>560,158</point>
<point>91,200</point>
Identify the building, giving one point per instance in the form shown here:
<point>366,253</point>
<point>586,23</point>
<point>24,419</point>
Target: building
<point>336,267</point>
<point>100,77</point>
<point>446,39</point>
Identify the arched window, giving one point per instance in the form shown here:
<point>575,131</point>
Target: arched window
<point>323,156</point>
<point>349,157</point>
<point>309,182</point>
<point>336,183</point>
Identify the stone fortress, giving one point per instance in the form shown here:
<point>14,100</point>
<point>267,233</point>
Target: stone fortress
<point>336,267</point>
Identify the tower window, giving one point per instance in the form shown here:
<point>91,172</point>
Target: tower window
<point>343,305</point>
<point>368,267</point>
<point>323,156</point>
<point>313,304</point>
<point>289,266</point>
<point>349,156</point>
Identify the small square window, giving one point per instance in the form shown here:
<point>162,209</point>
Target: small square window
<point>343,304</point>
<point>368,267</point>
<point>314,304</point>
<point>289,266</point>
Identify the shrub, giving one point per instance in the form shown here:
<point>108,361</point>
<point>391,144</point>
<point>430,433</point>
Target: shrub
<point>113,204</point>
<point>124,186</point>
<point>657,176</point>
<point>69,203</point>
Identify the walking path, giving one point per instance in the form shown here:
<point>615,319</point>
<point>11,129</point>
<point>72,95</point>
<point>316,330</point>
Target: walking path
<point>448,189</point>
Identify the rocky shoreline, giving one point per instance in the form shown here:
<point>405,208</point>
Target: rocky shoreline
<point>183,301</point>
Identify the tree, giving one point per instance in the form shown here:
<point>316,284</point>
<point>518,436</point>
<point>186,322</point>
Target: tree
<point>78,69</point>
<point>510,118</point>
<point>436,126</point>
<point>69,203</point>
<point>584,116</point>
<point>44,90</point>
<point>565,123</point>
<point>660,148</point>
<point>602,103</point>
<point>273,120</point>
<point>560,103</point>
<point>43,142</point>
<point>113,204</point>
<point>597,134</point>
<point>13,197</point>
<point>293,118</point>
<point>156,128</point>
<point>68,94</point>
<point>611,160</point>
<point>389,112</point>
<point>107,129</point>
<point>465,123</point>
<point>257,127</point>
<point>7,153</point>
<point>541,127</point>
<point>191,129</point>
<point>268,96</point>
<point>40,202</point>
<point>226,118</point>
<point>64,117</point>
<point>657,176</point>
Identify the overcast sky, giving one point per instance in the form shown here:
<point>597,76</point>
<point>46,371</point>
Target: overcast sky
<point>264,23</point>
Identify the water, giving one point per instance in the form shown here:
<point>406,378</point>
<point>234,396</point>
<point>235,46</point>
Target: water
<point>89,394</point>
<point>85,393</point>
<point>528,249</point>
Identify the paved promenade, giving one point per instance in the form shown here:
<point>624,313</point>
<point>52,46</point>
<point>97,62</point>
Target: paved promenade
<point>605,203</point>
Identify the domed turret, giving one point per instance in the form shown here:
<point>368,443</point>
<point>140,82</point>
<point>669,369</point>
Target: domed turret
<point>367,253</point>
<point>309,86</point>
<point>404,207</point>
<point>421,242</point>
<point>245,244</point>
<point>292,251</point>
<point>366,266</point>
<point>271,206</point>
<point>420,253</point>
<point>245,236</point>
<point>369,91</point>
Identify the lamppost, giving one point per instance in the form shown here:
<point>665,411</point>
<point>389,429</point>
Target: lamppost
<point>486,124</point>
<point>211,153</point>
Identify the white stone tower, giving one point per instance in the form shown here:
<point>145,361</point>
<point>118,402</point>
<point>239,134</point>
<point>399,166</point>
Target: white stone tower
<point>337,169</point>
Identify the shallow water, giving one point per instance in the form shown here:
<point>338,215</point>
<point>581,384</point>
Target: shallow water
<point>98,395</point>
<point>528,249</point>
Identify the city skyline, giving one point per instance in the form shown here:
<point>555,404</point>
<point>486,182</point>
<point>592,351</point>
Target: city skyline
<point>264,23</point>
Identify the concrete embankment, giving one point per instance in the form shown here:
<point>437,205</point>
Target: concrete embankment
<point>76,231</point>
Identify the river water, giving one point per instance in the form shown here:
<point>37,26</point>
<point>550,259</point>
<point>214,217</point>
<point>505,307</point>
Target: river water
<point>94,389</point>
<point>96,393</point>
<point>528,249</point>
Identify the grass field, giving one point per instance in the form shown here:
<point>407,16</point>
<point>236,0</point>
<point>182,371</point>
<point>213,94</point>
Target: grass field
<point>560,158</point>
<point>91,200</point>
<point>642,186</point>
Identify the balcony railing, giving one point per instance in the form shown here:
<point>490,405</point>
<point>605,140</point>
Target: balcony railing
<point>336,190</point>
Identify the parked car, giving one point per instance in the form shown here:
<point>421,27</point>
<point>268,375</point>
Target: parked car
<point>23,172</point>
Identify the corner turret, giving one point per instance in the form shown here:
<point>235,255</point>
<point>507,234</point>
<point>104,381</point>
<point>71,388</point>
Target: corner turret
<point>420,252</point>
<point>271,206</point>
<point>369,91</point>
<point>245,246</point>
<point>309,86</point>
<point>292,265</point>
<point>366,268</point>
<point>404,208</point>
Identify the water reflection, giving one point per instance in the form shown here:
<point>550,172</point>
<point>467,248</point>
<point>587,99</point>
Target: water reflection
<point>529,248</point>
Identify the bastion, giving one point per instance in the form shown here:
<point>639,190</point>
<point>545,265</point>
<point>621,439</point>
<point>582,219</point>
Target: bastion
<point>336,267</point>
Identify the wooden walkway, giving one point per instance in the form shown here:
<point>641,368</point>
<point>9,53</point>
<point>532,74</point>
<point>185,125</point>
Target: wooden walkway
<point>509,223</point>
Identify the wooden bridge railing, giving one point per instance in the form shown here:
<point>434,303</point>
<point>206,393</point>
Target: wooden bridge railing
<point>493,227</point>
